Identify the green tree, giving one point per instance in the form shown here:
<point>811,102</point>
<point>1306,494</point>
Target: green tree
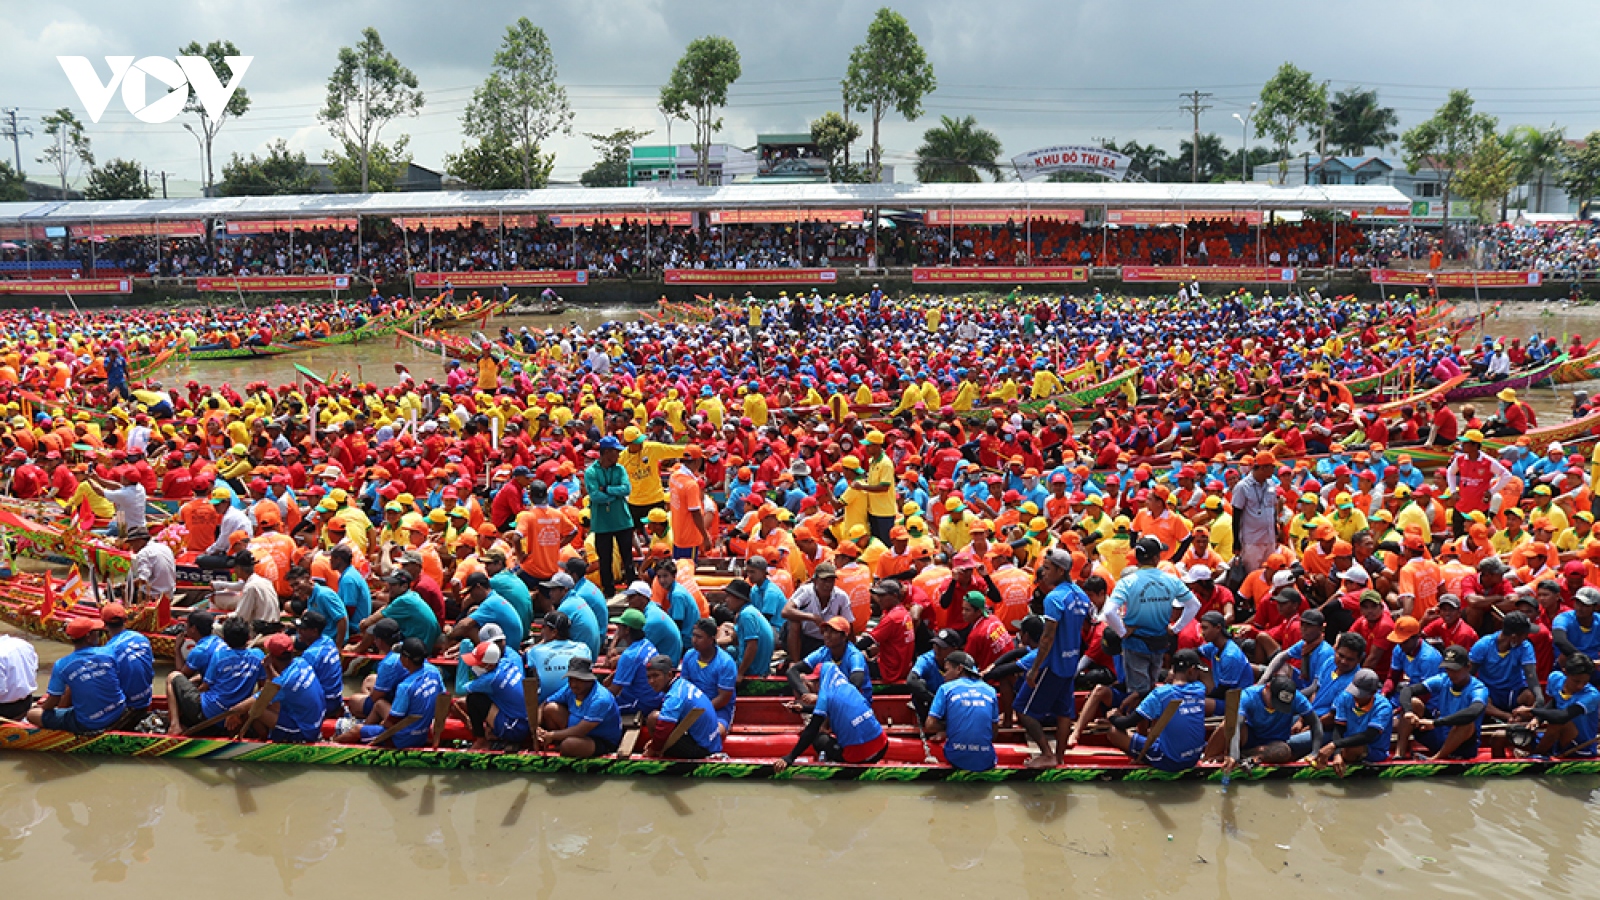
<point>379,170</point>
<point>520,105</point>
<point>493,165</point>
<point>611,170</point>
<point>279,172</point>
<point>1579,174</point>
<point>118,179</point>
<point>1357,121</point>
<point>1488,176</point>
<point>13,184</point>
<point>957,150</point>
<point>1446,141</point>
<point>368,89</point>
<point>833,134</point>
<point>697,88</point>
<point>1290,100</point>
<point>1213,158</point>
<point>1538,153</point>
<point>216,53</point>
<point>888,71</point>
<point>69,146</point>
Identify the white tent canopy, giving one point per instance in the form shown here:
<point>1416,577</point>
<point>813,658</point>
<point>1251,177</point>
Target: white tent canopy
<point>1235,195</point>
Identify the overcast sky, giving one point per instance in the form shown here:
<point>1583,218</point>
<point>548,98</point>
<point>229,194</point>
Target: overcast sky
<point>1036,73</point>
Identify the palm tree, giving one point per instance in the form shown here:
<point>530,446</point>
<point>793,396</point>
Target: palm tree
<point>1213,157</point>
<point>957,150</point>
<point>1357,122</point>
<point>1537,154</point>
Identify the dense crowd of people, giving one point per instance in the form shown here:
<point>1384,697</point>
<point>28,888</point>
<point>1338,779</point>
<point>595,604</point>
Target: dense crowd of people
<point>1094,519</point>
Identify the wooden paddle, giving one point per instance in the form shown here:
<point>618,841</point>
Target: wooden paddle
<point>1230,729</point>
<point>258,706</point>
<point>389,732</point>
<point>682,727</point>
<point>441,710</point>
<point>630,737</point>
<point>1156,729</point>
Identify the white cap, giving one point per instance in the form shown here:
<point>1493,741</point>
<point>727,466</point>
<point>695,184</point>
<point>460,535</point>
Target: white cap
<point>491,632</point>
<point>1282,578</point>
<point>1197,573</point>
<point>1355,574</point>
<point>639,588</point>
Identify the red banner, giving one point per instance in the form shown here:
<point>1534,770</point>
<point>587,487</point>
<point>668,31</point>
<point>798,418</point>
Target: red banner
<point>194,228</point>
<point>1388,212</point>
<point>750,276</point>
<point>495,279</point>
<point>590,220</point>
<point>1180,216</point>
<point>1030,275</point>
<point>998,216</point>
<point>68,285</point>
<point>1458,279</point>
<point>782,216</point>
<point>267,226</point>
<point>263,283</point>
<point>1209,274</point>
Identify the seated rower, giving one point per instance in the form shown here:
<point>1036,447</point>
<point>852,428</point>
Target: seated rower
<point>966,711</point>
<point>581,721</point>
<point>290,711</point>
<point>1267,714</point>
<point>927,672</point>
<point>1571,713</point>
<point>322,656</point>
<point>193,653</point>
<point>709,668</point>
<point>1178,745</point>
<point>1228,667</point>
<point>196,707</point>
<point>1413,659</point>
<point>548,659</point>
<point>753,638</point>
<point>854,735</point>
<point>1445,712</point>
<point>496,706</point>
<point>136,662</point>
<point>1505,664</point>
<point>410,718</point>
<point>371,705</point>
<point>629,681</point>
<point>1363,725</point>
<point>85,693</point>
<point>685,727</point>
<point>837,649</point>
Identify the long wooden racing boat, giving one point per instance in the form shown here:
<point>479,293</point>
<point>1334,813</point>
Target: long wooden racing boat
<point>1368,384</point>
<point>747,757</point>
<point>1420,398</point>
<point>1474,389</point>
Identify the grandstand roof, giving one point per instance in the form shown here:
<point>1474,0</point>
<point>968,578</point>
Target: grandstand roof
<point>1234,195</point>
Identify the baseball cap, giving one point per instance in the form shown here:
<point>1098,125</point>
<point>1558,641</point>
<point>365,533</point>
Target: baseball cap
<point>1364,684</point>
<point>491,632</point>
<point>825,570</point>
<point>632,618</point>
<point>1455,657</point>
<point>1185,660</point>
<point>558,580</point>
<point>113,612</point>
<point>279,644</point>
<point>83,626</point>
<point>963,660</point>
<point>1197,574</point>
<point>580,668</point>
<point>948,637</point>
<point>837,623</point>
<point>483,655</point>
<point>1355,574</point>
<point>1405,628</point>
<point>387,630</point>
<point>639,589</point>
<point>1449,600</point>
<point>413,649</point>
<point>1313,617</point>
<point>976,599</point>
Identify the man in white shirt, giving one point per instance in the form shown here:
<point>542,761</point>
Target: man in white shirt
<point>19,674</point>
<point>258,602</point>
<point>127,495</point>
<point>155,570</point>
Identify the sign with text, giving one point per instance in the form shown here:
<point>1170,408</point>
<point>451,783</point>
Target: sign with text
<point>999,216</point>
<point>1028,275</point>
<point>192,228</point>
<point>261,283</point>
<point>593,220</point>
<point>782,216</point>
<point>267,226</point>
<point>1457,279</point>
<point>1387,212</point>
<point>1209,274</point>
<point>750,276</point>
<point>1180,216</point>
<point>68,285</point>
<point>495,279</point>
<point>1096,160</point>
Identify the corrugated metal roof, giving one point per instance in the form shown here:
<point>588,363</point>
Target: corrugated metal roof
<point>1242,195</point>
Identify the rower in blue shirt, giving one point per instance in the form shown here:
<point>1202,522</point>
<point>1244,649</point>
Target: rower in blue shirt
<point>1571,718</point>
<point>85,693</point>
<point>1067,612</point>
<point>682,703</point>
<point>1506,665</point>
<point>371,704</point>
<point>1267,713</point>
<point>1576,630</point>
<point>628,682</point>
<point>199,642</point>
<point>548,659</point>
<point>927,671</point>
<point>582,625</point>
<point>854,734</point>
<point>710,668</point>
<point>765,595</point>
<point>681,605</point>
<point>1180,743</point>
<point>1445,712</point>
<point>294,710</point>
<point>353,590</point>
<point>581,721</point>
<point>1363,725</point>
<point>231,676</point>
<point>837,649</point>
<point>585,590</point>
<point>321,599</point>
<point>1413,659</point>
<point>323,658</point>
<point>497,708</point>
<point>659,627</point>
<point>1311,652</point>
<point>1229,669</point>
<point>753,637</point>
<point>966,711</point>
<point>484,607</point>
<point>411,716</point>
<point>136,661</point>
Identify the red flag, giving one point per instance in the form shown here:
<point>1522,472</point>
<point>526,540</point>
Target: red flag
<point>47,607</point>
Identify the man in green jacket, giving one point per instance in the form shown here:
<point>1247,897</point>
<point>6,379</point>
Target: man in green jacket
<point>608,488</point>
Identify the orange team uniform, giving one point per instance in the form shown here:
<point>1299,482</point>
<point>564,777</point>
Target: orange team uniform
<point>1421,578</point>
<point>200,521</point>
<point>1016,593</point>
<point>1315,560</point>
<point>686,505</point>
<point>1170,529</point>
<point>541,528</point>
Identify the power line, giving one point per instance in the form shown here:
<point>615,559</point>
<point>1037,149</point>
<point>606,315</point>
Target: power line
<point>1195,107</point>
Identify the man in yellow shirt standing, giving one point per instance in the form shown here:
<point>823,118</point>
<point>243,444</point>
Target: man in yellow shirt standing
<point>854,499</point>
<point>642,460</point>
<point>879,487</point>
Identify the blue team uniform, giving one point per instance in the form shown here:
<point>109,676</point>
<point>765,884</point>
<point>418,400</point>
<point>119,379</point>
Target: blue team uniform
<point>969,710</point>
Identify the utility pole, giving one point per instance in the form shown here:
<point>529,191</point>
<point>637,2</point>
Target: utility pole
<point>1195,108</point>
<point>11,121</point>
<point>163,175</point>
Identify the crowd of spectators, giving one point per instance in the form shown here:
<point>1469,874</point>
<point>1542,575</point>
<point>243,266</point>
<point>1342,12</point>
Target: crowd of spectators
<point>1199,243</point>
<point>1570,250</point>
